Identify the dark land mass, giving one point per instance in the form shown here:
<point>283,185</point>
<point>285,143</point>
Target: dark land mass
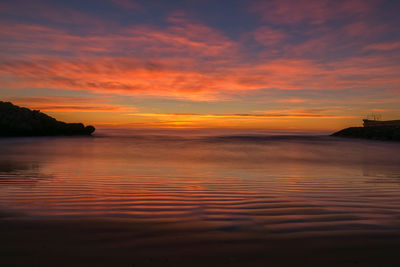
<point>18,121</point>
<point>385,133</point>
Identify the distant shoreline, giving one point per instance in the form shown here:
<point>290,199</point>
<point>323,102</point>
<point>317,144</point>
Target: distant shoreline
<point>383,133</point>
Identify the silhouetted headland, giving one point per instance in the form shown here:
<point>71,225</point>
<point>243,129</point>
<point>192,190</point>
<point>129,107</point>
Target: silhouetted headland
<point>373,129</point>
<point>19,121</point>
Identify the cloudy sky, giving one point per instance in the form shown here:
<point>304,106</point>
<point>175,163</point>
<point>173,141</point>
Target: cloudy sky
<point>251,64</point>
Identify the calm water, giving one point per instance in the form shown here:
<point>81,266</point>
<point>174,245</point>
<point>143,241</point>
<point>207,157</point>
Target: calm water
<point>263,184</point>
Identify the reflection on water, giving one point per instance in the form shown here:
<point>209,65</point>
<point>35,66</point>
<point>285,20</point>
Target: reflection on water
<point>20,173</point>
<point>8,166</point>
<point>261,184</point>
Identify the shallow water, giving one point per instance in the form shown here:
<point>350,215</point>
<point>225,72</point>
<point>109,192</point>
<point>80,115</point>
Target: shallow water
<point>230,187</point>
<point>279,184</point>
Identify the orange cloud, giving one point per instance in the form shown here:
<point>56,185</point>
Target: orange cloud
<point>272,115</point>
<point>184,60</point>
<point>380,109</point>
<point>72,104</point>
<point>181,80</point>
<point>292,100</point>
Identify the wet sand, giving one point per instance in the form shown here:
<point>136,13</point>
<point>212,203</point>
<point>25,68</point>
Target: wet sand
<point>107,242</point>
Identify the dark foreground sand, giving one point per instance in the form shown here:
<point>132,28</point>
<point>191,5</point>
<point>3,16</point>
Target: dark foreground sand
<point>105,242</point>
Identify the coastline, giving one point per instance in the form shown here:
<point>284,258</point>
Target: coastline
<point>17,121</point>
<point>383,133</point>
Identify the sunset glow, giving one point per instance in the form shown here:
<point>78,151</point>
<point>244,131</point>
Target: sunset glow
<point>299,65</point>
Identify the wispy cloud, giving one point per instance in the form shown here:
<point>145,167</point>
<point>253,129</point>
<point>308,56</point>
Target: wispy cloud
<point>256,116</point>
<point>387,46</point>
<point>177,80</point>
<point>310,11</point>
<point>292,100</point>
<point>73,104</point>
<point>268,36</point>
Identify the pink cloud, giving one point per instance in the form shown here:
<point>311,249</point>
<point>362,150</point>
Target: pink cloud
<point>363,29</point>
<point>340,40</point>
<point>310,11</point>
<point>269,36</point>
<point>383,46</point>
<point>186,38</point>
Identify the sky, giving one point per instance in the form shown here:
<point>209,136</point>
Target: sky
<point>251,64</point>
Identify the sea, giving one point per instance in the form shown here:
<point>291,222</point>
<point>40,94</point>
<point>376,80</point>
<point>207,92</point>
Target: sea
<point>181,198</point>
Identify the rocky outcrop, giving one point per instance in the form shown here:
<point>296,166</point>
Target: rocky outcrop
<point>18,121</point>
<point>387,133</point>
